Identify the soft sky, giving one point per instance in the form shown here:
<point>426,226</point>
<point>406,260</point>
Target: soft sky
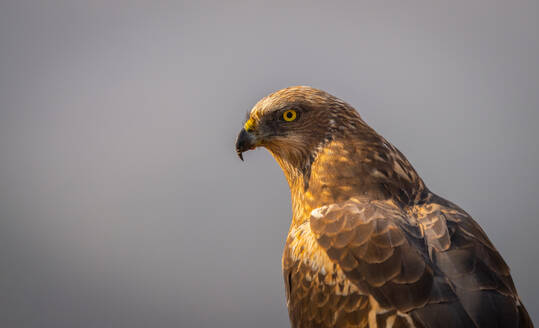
<point>122,201</point>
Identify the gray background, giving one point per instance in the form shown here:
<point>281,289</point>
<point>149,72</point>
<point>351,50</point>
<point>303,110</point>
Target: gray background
<point>122,202</point>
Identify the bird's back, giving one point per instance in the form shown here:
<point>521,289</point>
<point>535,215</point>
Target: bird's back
<point>365,263</point>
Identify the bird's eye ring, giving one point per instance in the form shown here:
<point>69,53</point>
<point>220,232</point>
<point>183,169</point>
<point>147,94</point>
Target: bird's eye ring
<point>289,115</point>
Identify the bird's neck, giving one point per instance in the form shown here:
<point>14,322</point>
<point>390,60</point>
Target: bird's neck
<point>343,169</point>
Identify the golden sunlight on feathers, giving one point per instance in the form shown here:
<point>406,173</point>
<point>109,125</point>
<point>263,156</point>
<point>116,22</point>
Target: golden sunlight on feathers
<point>369,244</point>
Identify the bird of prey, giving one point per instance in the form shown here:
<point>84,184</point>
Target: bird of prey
<point>369,244</point>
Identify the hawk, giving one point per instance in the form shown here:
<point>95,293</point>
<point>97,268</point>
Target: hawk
<point>369,244</point>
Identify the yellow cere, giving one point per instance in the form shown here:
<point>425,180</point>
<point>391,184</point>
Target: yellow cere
<point>289,115</point>
<point>249,125</point>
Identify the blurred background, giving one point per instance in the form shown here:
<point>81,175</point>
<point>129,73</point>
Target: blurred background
<point>122,201</point>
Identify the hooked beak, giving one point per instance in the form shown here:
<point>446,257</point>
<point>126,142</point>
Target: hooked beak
<point>245,141</point>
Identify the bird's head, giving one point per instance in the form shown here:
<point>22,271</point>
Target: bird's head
<point>293,123</point>
<point>326,149</point>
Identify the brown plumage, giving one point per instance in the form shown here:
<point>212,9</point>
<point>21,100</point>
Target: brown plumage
<point>369,245</point>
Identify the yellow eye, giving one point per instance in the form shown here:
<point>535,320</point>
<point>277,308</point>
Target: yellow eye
<point>289,115</point>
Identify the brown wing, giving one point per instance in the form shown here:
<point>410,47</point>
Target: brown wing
<point>419,264</point>
<point>317,291</point>
<point>463,253</point>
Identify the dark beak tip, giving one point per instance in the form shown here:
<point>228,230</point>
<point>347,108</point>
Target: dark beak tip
<point>244,142</point>
<point>240,154</point>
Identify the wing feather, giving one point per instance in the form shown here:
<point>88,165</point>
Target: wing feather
<point>426,261</point>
